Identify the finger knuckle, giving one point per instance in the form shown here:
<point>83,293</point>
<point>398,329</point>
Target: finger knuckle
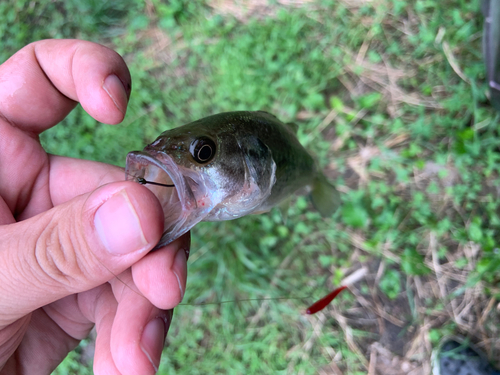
<point>58,254</point>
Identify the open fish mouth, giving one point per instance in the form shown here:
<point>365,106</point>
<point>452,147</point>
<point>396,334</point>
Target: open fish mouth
<point>186,196</point>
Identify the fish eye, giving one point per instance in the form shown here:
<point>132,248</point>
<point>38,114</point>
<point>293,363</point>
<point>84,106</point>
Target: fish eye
<point>202,149</point>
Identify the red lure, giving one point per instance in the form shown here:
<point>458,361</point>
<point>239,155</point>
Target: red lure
<point>325,301</point>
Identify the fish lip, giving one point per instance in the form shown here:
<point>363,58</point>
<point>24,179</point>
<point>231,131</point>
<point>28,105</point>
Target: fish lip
<point>166,164</point>
<point>183,213</point>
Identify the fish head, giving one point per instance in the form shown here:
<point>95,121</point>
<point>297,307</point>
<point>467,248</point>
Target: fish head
<point>212,173</point>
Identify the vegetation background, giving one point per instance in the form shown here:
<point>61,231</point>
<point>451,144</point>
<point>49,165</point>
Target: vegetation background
<point>389,96</point>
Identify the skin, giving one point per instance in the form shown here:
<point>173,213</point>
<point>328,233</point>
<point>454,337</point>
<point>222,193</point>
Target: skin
<point>64,236</point>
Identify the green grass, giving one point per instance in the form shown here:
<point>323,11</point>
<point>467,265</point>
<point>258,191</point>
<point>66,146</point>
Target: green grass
<point>412,147</point>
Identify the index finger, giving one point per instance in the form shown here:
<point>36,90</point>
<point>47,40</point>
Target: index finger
<point>43,82</point>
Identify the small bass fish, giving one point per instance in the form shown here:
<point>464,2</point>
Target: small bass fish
<point>226,166</point>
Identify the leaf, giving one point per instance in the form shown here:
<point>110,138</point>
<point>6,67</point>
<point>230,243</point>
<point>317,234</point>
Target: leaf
<point>390,284</point>
<point>336,103</point>
<point>354,215</point>
<point>475,232</point>
<point>412,263</point>
<point>370,100</point>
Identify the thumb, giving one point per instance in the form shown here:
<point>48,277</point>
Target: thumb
<point>75,246</point>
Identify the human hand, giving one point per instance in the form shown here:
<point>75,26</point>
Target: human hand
<point>61,246</point>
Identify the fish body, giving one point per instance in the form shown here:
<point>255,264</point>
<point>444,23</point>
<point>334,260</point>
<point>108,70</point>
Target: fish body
<point>227,166</point>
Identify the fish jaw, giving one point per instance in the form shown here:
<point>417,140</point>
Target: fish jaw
<point>186,203</point>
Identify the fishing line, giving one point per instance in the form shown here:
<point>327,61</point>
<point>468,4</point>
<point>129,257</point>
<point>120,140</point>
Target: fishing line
<point>242,300</point>
<point>209,303</point>
<point>315,307</point>
<point>120,280</point>
<point>143,181</point>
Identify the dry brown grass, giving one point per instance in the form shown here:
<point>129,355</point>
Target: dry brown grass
<point>403,345</point>
<point>245,9</point>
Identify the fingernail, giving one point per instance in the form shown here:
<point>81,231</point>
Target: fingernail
<point>153,340</point>
<point>180,267</point>
<point>118,225</point>
<point>116,91</point>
